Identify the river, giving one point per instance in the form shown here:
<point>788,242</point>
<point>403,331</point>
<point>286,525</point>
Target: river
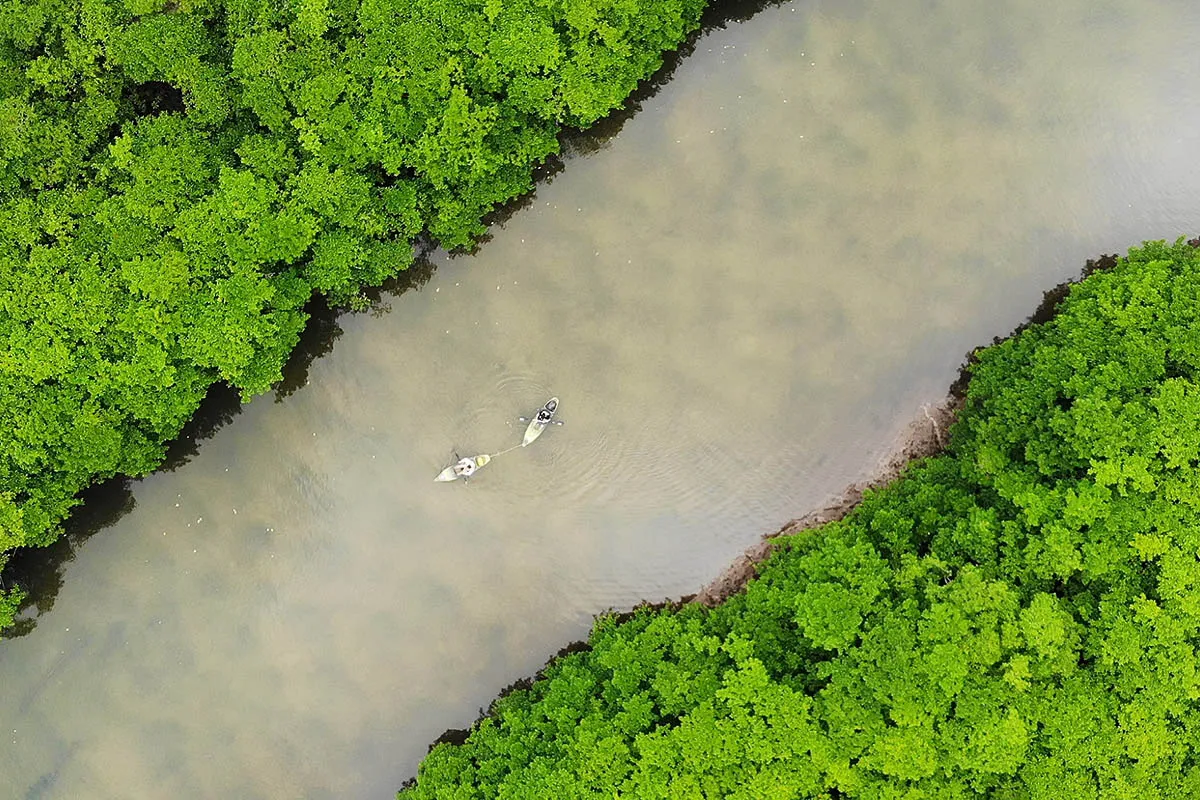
<point>741,298</point>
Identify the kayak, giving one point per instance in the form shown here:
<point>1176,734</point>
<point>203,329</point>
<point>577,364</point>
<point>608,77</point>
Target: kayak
<point>448,474</point>
<point>536,426</point>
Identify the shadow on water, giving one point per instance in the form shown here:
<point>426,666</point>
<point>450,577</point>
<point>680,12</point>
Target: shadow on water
<point>416,276</point>
<point>719,15</point>
<point>316,340</point>
<point>323,329</point>
<point>219,407</point>
<point>39,571</point>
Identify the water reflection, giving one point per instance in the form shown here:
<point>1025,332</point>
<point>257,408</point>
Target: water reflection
<point>320,332</point>
<point>40,571</point>
<point>755,285</point>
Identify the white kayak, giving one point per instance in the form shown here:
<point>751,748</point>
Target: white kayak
<point>461,470</point>
<point>540,420</point>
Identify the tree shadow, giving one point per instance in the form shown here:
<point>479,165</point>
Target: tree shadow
<point>151,98</point>
<point>718,16</point>
<point>316,340</point>
<point>416,276</point>
<point>39,570</point>
<point>217,409</point>
<point>323,329</point>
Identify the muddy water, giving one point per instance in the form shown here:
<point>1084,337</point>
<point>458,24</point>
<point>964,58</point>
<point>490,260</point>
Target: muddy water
<point>739,300</point>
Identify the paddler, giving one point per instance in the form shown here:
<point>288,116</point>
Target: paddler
<point>544,415</point>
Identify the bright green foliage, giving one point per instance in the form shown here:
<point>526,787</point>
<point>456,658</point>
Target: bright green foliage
<point>177,179</point>
<point>1017,618</point>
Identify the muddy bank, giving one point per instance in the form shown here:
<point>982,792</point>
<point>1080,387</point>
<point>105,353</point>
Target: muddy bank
<point>925,436</point>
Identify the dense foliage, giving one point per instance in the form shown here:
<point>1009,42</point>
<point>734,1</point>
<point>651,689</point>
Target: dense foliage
<point>1017,618</point>
<point>178,178</point>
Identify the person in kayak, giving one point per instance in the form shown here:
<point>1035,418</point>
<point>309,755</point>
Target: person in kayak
<point>544,415</point>
<point>465,467</point>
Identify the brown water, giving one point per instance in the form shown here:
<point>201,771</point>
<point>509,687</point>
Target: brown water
<point>739,301</point>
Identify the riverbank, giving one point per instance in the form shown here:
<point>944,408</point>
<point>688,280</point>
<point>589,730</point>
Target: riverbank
<point>921,642</point>
<point>925,436</point>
